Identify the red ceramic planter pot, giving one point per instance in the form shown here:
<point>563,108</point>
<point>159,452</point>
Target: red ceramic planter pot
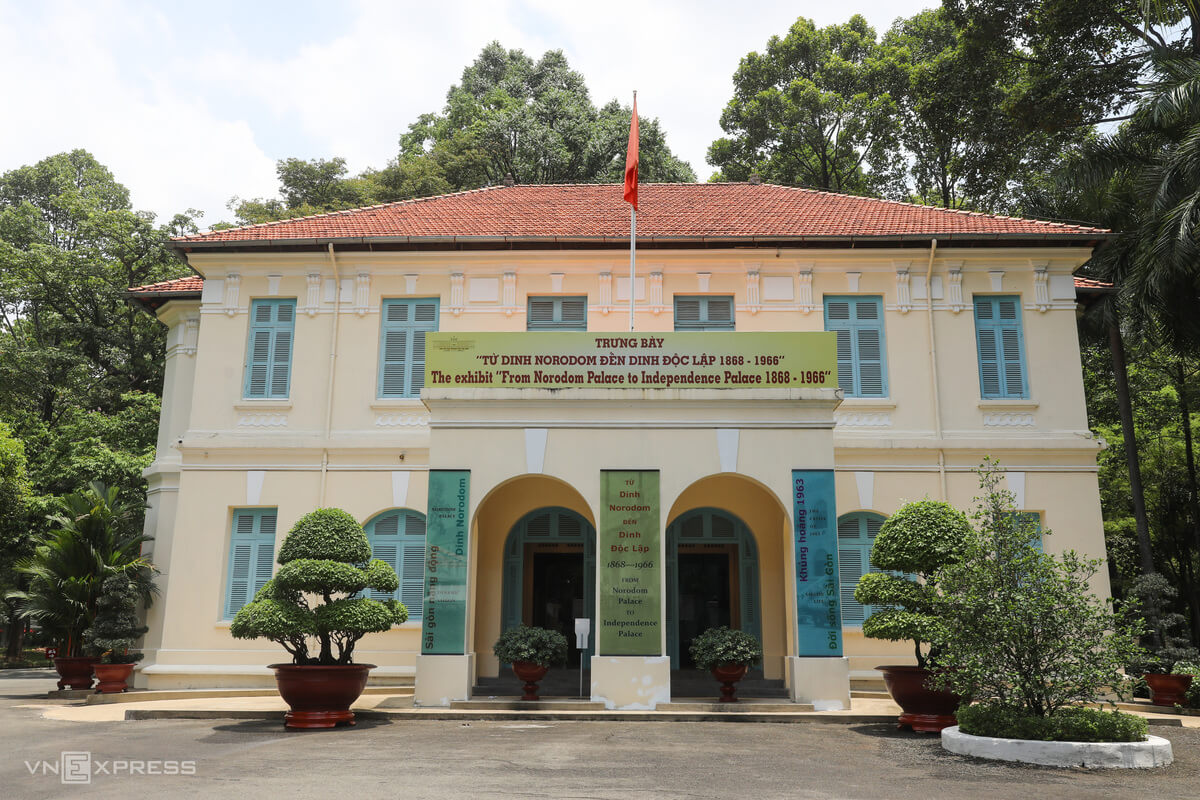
<point>728,675</point>
<point>924,709</point>
<point>1168,689</point>
<point>530,674</point>
<point>75,672</point>
<point>112,678</point>
<point>320,696</point>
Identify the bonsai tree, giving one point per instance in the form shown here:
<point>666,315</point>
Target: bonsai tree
<point>532,645</point>
<point>914,543</point>
<point>720,646</point>
<point>313,603</point>
<point>1167,636</point>
<point>1025,633</point>
<point>96,534</point>
<point>116,627</point>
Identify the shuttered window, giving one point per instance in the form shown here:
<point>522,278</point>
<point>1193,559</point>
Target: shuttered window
<point>269,350</point>
<point>398,537</point>
<point>557,314</point>
<point>856,533</point>
<point>1032,519</point>
<point>251,556</point>
<point>1001,346</point>
<point>704,313</point>
<point>402,345</point>
<point>861,348</point>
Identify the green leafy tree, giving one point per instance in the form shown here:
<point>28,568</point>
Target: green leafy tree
<point>1022,627</point>
<point>95,534</point>
<point>912,544</point>
<point>14,531</point>
<point>818,108</point>
<point>116,627</point>
<point>314,599</point>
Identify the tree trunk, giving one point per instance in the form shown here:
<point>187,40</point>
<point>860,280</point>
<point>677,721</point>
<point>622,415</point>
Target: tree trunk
<point>1121,375</point>
<point>1193,494</point>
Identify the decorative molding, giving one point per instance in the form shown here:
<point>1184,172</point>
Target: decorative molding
<point>903,287</point>
<point>401,420</point>
<point>509,298</point>
<point>954,295</point>
<point>702,279</point>
<point>556,279</point>
<point>997,278</point>
<point>410,283</point>
<point>483,290</point>
<point>232,282</point>
<point>780,288</point>
<point>1008,420</point>
<point>1041,285</point>
<point>362,292</point>
<point>191,334</point>
<point>214,291</point>
<point>273,284</point>
<point>605,296</point>
<point>263,420</point>
<point>456,293</point>
<point>312,299</point>
<point>753,298</point>
<point>862,419</point>
<point>806,294</point>
<point>656,296</point>
<point>852,281</point>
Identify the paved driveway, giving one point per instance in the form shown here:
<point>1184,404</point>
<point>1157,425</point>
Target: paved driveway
<point>423,759</point>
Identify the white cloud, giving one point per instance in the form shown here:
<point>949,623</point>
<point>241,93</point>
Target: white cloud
<point>190,110</point>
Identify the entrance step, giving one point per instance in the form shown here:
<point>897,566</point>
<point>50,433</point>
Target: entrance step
<point>516,704</point>
<point>684,683</point>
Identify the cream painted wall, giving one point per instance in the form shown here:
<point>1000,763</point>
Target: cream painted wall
<point>211,438</point>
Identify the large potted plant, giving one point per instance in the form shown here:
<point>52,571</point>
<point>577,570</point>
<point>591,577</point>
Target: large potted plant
<point>728,655</point>
<point>113,633</point>
<point>913,544</point>
<point>313,609</point>
<point>531,651</point>
<point>95,534</point>
<point>1169,666</point>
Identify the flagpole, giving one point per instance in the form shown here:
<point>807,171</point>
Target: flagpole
<point>633,239</point>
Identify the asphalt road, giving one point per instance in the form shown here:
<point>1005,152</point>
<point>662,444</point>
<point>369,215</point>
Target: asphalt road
<point>420,759</point>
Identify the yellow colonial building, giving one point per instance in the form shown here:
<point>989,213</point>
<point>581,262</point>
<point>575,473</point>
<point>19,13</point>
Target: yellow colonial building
<point>296,377</point>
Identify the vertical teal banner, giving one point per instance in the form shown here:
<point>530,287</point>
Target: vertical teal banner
<point>444,624</point>
<point>818,599</point>
<point>628,557</point>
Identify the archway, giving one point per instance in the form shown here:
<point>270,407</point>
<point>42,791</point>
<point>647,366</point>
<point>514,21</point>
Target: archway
<point>550,573</point>
<point>712,579</point>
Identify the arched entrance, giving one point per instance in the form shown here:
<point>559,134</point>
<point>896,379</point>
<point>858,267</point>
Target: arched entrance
<point>549,573</point>
<point>712,579</point>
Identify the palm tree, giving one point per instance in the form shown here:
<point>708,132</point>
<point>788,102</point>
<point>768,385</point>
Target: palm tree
<point>94,537</point>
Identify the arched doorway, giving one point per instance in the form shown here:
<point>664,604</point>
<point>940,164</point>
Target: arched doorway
<point>712,579</point>
<point>549,574</point>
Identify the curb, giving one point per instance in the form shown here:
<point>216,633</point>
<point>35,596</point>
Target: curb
<point>542,716</point>
<point>1154,752</point>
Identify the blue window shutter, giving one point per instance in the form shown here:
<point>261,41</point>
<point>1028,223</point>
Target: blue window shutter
<point>704,313</point>
<point>402,345</point>
<point>269,349</point>
<point>251,556</point>
<point>856,533</point>
<point>398,538</point>
<point>1034,520</point>
<point>557,314</point>
<point>861,345</point>
<point>1000,340</point>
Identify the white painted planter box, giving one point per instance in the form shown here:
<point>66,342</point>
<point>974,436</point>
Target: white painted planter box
<point>1154,752</point>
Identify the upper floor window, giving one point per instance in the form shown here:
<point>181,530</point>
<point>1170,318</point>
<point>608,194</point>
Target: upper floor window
<point>402,345</point>
<point>398,537</point>
<point>855,534</point>
<point>861,350</point>
<point>1001,348</point>
<point>251,556</point>
<point>557,314</point>
<point>704,313</point>
<point>269,351</point>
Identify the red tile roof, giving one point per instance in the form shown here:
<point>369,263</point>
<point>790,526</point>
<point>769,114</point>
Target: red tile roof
<point>677,211</point>
<point>192,283</point>
<point>1089,283</point>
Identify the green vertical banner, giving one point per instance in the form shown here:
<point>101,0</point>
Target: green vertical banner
<point>818,598</point>
<point>630,564</point>
<point>444,623</point>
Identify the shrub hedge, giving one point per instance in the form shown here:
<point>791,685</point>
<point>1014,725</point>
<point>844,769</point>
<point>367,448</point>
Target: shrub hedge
<point>1074,724</point>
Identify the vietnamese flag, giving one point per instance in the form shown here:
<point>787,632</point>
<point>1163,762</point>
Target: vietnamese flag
<point>631,159</point>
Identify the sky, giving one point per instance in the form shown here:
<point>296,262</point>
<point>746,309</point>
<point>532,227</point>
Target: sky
<point>192,103</point>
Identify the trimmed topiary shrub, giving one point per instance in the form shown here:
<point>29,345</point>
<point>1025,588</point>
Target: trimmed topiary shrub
<point>116,627</point>
<point>917,541</point>
<point>539,646</point>
<point>718,646</point>
<point>313,599</point>
<point>1073,724</point>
